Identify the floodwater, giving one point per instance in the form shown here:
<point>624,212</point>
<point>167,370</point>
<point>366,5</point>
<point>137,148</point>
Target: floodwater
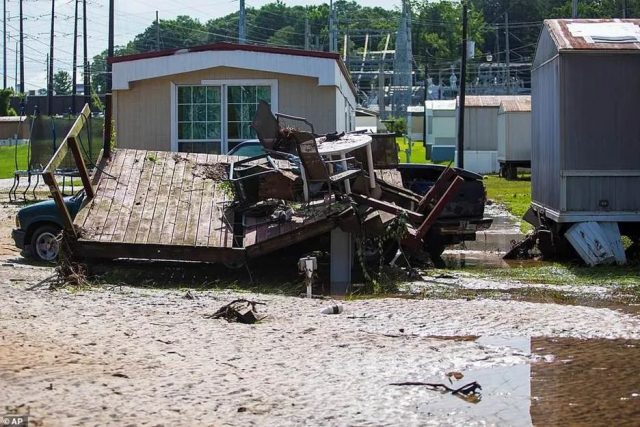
<point>569,382</point>
<point>490,245</point>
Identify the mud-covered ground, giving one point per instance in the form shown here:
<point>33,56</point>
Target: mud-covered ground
<point>116,354</point>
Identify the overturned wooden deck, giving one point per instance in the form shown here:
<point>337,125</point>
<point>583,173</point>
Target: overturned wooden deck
<point>176,206</point>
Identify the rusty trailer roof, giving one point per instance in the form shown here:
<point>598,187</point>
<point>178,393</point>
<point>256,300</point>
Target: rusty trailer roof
<point>595,34</point>
<point>492,101</point>
<point>516,105</point>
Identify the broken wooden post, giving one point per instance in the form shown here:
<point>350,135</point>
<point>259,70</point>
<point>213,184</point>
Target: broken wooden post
<point>82,167</point>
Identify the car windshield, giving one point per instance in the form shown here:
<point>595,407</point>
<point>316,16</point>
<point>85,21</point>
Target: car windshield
<point>247,150</point>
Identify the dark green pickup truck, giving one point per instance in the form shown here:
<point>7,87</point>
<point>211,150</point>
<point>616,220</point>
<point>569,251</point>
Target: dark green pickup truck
<point>38,227</point>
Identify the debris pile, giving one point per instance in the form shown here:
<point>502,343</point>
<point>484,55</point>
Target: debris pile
<point>240,310</point>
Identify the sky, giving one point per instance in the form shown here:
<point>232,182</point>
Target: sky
<point>131,18</point>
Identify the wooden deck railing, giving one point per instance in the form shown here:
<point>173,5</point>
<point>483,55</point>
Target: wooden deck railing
<point>70,142</point>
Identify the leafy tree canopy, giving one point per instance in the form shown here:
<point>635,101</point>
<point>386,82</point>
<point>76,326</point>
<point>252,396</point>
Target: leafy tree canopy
<point>436,28</point>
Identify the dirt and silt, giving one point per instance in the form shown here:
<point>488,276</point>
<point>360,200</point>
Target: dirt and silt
<point>117,354</point>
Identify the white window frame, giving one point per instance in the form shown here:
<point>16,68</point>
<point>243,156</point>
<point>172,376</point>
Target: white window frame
<point>223,84</point>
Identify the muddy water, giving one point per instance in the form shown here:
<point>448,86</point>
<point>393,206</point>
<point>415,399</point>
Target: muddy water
<point>570,382</point>
<point>490,245</point>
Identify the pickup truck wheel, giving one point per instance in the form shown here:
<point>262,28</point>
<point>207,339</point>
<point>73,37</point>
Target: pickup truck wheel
<point>44,243</point>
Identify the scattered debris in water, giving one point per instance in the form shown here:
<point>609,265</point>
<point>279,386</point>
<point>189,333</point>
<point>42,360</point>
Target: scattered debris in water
<point>468,392</point>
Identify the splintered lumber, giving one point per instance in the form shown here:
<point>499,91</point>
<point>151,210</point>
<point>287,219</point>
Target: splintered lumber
<point>436,192</point>
<point>451,191</point>
<point>387,207</point>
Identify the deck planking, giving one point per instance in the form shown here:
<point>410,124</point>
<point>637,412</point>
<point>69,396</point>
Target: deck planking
<point>142,191</point>
<point>122,182</point>
<point>169,218</point>
<point>153,192</point>
<point>163,199</point>
<point>128,198</point>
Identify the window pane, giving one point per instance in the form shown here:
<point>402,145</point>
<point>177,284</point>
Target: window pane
<point>213,131</point>
<point>234,111</point>
<point>199,95</point>
<point>184,113</point>
<point>248,112</point>
<point>213,95</point>
<point>199,130</point>
<point>264,93</point>
<point>248,94</point>
<point>235,96</point>
<point>234,130</point>
<point>247,131</point>
<point>213,113</point>
<point>184,130</point>
<point>184,95</point>
<point>199,113</point>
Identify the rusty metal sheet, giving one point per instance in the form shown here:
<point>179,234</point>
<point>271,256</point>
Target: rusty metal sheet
<point>566,40</point>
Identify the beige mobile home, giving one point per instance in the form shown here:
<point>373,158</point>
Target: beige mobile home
<point>514,136</point>
<point>481,132</point>
<point>203,99</point>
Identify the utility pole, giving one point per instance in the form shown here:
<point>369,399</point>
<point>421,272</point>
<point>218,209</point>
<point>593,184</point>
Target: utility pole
<point>424,100</point>
<point>157,32</point>
<point>4,45</point>
<point>333,45</point>
<point>574,9</point>
<point>381,107</point>
<point>307,33</point>
<point>507,51</point>
<point>624,9</point>
<point>463,81</point>
<point>85,68</point>
<point>22,50</point>
<point>106,137</point>
<point>50,82</point>
<point>242,25</point>
<point>75,61</point>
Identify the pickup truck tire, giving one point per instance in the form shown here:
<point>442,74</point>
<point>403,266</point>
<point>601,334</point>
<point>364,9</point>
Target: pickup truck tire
<point>45,245</point>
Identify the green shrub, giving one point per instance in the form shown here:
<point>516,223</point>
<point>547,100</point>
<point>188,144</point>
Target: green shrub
<point>397,125</point>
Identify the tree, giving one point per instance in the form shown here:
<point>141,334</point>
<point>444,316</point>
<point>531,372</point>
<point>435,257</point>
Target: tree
<point>5,98</point>
<point>62,83</point>
<point>99,67</point>
<point>437,32</point>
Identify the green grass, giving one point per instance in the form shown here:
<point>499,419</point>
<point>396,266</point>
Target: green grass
<point>564,274</point>
<point>7,160</point>
<point>515,195</point>
<point>418,152</point>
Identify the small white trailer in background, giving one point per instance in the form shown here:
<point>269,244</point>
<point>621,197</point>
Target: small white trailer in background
<point>481,131</point>
<point>514,136</point>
